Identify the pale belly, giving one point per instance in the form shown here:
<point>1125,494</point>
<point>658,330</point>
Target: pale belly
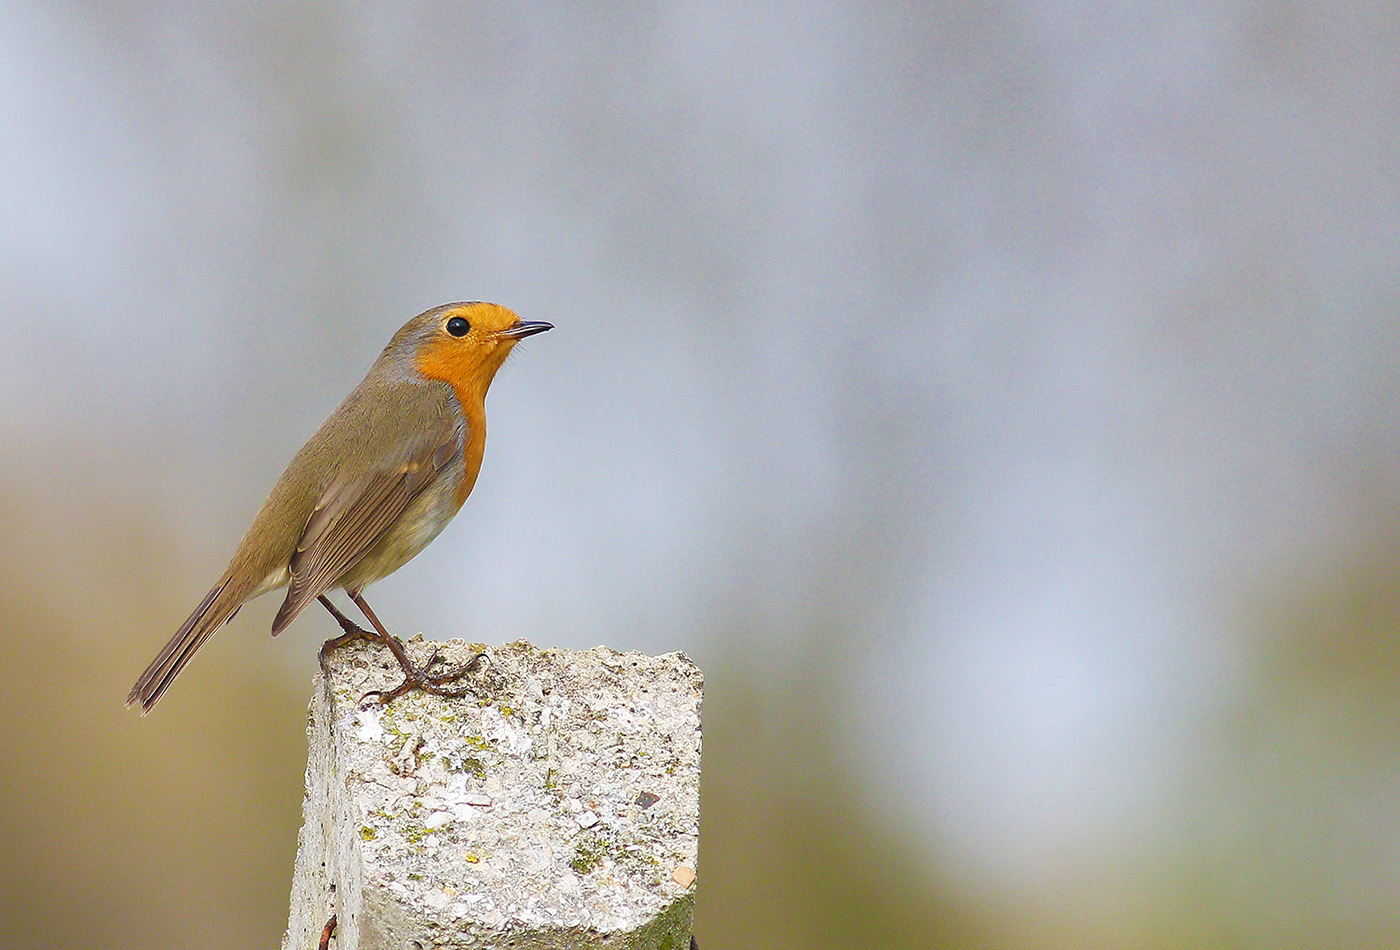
<point>421,522</point>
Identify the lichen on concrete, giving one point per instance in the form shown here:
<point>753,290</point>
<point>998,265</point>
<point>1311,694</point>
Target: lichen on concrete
<point>556,807</point>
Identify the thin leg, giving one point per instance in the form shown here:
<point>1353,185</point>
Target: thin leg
<point>415,677</point>
<point>352,633</point>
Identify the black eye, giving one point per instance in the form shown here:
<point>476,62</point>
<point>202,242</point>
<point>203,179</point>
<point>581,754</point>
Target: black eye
<point>458,326</point>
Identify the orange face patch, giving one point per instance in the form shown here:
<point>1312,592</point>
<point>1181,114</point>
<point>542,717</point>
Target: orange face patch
<point>467,362</point>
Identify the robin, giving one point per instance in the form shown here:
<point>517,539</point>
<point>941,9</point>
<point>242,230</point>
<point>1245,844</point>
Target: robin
<point>377,482</point>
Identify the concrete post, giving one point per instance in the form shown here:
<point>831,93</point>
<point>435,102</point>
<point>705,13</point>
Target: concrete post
<point>558,807</point>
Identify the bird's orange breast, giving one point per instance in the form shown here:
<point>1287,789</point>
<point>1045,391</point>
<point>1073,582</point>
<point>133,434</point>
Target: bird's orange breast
<point>469,376</point>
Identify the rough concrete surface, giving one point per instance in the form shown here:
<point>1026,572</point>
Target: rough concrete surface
<point>557,807</point>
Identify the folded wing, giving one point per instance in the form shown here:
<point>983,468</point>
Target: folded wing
<point>352,517</point>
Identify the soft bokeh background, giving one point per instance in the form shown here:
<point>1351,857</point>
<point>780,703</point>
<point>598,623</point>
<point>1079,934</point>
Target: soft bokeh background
<point>998,400</point>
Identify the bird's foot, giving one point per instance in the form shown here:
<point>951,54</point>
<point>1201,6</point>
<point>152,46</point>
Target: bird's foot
<point>452,676</point>
<point>414,676</point>
<point>418,677</point>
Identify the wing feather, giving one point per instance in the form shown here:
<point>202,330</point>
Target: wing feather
<point>350,519</point>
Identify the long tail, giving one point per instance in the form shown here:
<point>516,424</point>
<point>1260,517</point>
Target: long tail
<point>216,609</point>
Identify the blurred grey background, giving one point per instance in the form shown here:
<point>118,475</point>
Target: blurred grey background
<point>996,399</point>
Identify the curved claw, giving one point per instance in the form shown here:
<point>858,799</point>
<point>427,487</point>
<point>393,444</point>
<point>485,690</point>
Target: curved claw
<point>417,677</point>
<point>438,679</point>
<point>386,696</point>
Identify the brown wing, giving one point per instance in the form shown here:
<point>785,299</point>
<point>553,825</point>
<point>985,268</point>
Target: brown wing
<point>350,519</point>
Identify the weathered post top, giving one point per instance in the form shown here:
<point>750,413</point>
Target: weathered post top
<point>557,807</point>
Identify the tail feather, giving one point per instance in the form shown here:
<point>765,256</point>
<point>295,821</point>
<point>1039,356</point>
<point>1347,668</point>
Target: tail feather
<point>212,613</point>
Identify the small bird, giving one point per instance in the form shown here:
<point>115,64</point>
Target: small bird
<point>377,482</point>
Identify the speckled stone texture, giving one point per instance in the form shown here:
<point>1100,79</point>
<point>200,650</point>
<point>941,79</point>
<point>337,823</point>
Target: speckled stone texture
<point>558,807</point>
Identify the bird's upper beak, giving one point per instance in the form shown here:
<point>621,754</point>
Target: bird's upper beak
<point>520,329</point>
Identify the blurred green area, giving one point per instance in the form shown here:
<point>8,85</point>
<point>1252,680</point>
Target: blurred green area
<point>179,829</point>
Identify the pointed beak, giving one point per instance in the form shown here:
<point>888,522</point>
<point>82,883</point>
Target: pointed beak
<point>520,329</point>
